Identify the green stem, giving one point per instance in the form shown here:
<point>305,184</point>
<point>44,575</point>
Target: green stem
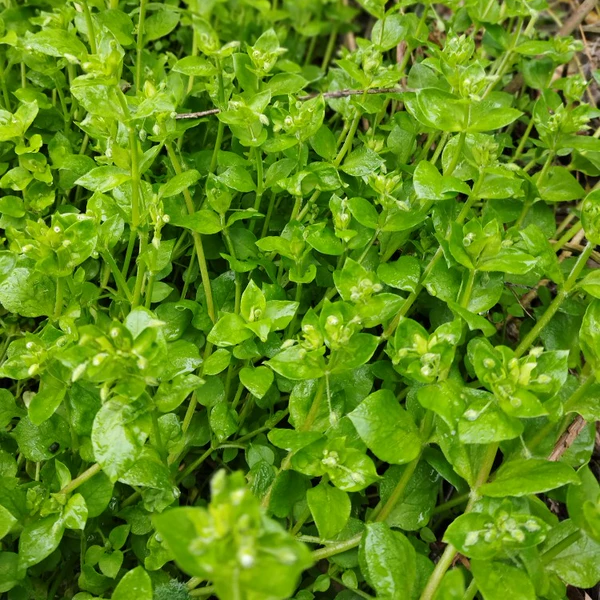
<point>310,50</point>
<point>271,425</point>
<point>329,49</point>
<point>259,184</point>
<point>349,139</point>
<point>194,582</point>
<point>337,548</point>
<point>450,552</point>
<point>524,212</point>
<point>209,590</point>
<point>140,275</point>
<point>187,419</point>
<point>553,552</point>
<point>567,236</point>
<point>456,157</point>
<point>75,483</point>
<point>578,393</point>
<point>140,45</point>
<point>544,171</point>
<point>158,443</point>
<point>446,506</point>
<point>129,252</point>
<point>63,106</point>
<point>210,307</point>
<point>60,296</point>
<point>523,141</point>
<point>220,125</point>
<point>355,592</point>
<point>149,290</point>
<point>117,275</point>
<point>194,53</point>
<point>3,82</point>
<point>135,179</point>
<point>541,323</point>
<point>90,26</point>
<point>439,147</point>
<point>368,246</point>
<point>506,59</point>
<point>297,298</point>
<point>471,591</point>
<point>194,465</point>
<point>265,227</point>
<point>465,296</point>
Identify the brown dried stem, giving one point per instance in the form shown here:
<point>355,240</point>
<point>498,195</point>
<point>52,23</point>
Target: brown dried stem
<point>336,94</point>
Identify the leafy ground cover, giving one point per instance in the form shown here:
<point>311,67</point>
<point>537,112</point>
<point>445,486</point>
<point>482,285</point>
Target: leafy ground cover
<point>298,300</point>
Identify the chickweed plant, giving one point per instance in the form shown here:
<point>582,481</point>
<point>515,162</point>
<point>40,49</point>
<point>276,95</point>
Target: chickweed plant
<point>298,299</point>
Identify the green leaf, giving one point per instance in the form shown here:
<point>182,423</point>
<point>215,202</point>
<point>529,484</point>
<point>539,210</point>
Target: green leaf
<point>7,521</point>
<point>362,162</point>
<point>103,179</point>
<point>589,334</point>
<point>97,493</point>
<point>39,539</point>
<point>229,330</point>
<point>559,186</point>
<point>578,563</point>
<point>390,31</point>
<point>292,440</point>
<point>525,476</point>
<point>355,353</point>
<point>591,284</point>
<point>483,536</point>
<point>590,216</point>
<point>583,503</point>
<point>35,440</point>
<point>110,564</point>
<point>28,293</point>
<point>49,397</point>
<point>195,66</point>
<point>57,42</point>
<point>498,580</point>
<point>330,508</point>
<point>237,178</point>
<point>217,362</point>
<point>284,84</point>
<point>296,363</point>
<point>414,507</point>
<point>135,585</point>
<point>323,240</point>
<point>364,212</point>
<point>386,428</point>
<point>177,184</point>
<point>403,274</point>
<point>117,438</point>
<point>223,421</point>
<point>257,381</point>
<point>431,185</point>
<point>202,221</point>
<point>160,23</point>
<point>387,561</point>
<point>324,143</point>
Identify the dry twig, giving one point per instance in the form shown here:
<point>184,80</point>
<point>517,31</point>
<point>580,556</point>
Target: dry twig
<point>577,17</point>
<point>567,438</point>
<point>335,94</point>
